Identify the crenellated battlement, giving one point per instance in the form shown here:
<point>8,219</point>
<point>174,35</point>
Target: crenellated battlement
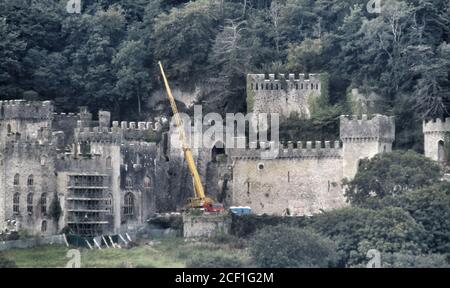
<point>364,128</point>
<point>299,149</point>
<point>436,126</point>
<point>260,82</point>
<point>26,110</point>
<point>97,134</point>
<point>28,148</point>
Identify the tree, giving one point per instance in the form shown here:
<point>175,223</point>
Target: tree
<point>11,50</point>
<point>356,231</point>
<point>287,247</point>
<point>133,78</point>
<point>6,263</point>
<point>55,210</point>
<point>430,207</point>
<point>391,174</point>
<point>183,38</point>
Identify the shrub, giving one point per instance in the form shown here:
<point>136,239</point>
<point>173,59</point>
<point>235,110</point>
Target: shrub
<point>213,260</point>
<point>287,247</point>
<point>6,263</point>
<point>357,230</point>
<point>247,225</point>
<point>391,174</point>
<point>430,207</point>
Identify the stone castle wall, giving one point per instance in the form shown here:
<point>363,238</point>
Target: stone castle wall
<point>281,94</point>
<point>436,132</point>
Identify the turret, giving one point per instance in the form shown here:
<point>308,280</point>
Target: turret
<point>364,138</point>
<point>436,134</point>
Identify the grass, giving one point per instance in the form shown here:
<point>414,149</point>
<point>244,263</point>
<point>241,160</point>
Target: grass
<point>166,253</point>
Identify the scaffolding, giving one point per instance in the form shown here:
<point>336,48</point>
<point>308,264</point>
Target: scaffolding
<point>89,204</point>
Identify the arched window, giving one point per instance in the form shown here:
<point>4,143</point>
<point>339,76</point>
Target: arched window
<point>30,203</point>
<point>16,203</point>
<point>128,204</point>
<point>442,157</point>
<point>109,204</point>
<point>108,162</point>
<point>147,182</point>
<point>17,179</point>
<point>218,152</point>
<point>128,182</point>
<point>43,203</point>
<point>44,226</point>
<point>30,180</point>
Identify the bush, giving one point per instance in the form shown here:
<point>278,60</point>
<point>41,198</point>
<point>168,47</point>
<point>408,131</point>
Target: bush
<point>247,225</point>
<point>173,222</point>
<point>356,231</point>
<point>391,174</point>
<point>430,207</point>
<point>6,263</point>
<point>399,260</point>
<point>211,260</point>
<point>288,247</point>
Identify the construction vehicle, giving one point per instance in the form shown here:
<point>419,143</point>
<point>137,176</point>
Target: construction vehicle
<point>199,201</point>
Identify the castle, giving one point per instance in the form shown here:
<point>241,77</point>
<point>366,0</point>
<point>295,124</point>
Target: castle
<point>109,177</point>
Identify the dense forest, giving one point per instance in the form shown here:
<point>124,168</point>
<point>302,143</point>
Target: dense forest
<point>106,56</point>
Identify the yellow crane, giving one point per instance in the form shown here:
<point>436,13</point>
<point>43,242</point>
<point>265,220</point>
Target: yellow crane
<point>200,200</point>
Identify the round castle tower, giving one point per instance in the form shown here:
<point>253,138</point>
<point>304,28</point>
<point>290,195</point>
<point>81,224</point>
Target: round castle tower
<point>435,133</point>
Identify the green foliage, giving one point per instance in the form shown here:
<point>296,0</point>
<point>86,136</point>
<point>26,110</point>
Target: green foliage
<point>391,174</point>
<point>403,260</point>
<point>288,247</point>
<point>324,125</point>
<point>246,225</point>
<point>430,207</point>
<point>174,222</point>
<point>183,38</point>
<point>209,260</point>
<point>55,210</point>
<point>6,263</point>
<point>355,231</point>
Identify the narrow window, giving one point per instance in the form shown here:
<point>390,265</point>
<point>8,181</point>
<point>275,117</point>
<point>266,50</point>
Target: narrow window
<point>262,86</point>
<point>8,127</point>
<point>16,203</point>
<point>109,204</point>
<point>147,182</point>
<point>312,86</point>
<point>128,182</point>
<point>129,205</point>
<point>301,86</point>
<point>44,226</point>
<point>43,204</point>
<point>30,203</point>
<point>30,180</point>
<point>108,162</point>
<point>16,180</point>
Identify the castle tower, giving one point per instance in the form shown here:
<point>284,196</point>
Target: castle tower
<point>435,136</point>
<point>281,94</point>
<point>364,138</point>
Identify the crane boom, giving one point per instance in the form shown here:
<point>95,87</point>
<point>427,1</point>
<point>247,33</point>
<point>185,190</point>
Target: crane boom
<point>198,186</point>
